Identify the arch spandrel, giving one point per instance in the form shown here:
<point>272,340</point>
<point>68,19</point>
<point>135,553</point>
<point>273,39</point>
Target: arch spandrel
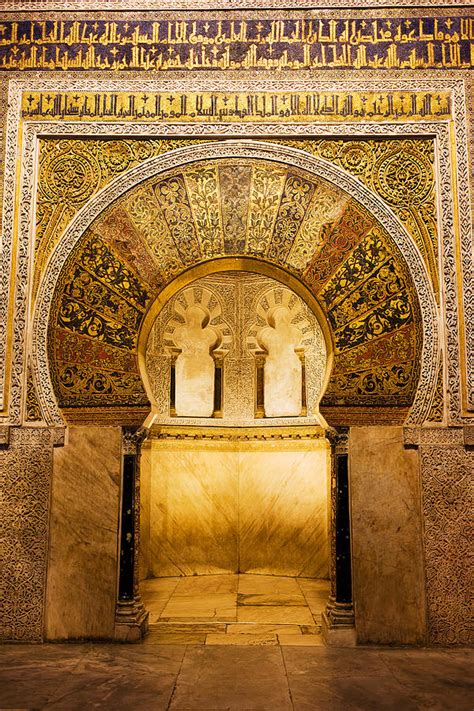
<point>246,202</point>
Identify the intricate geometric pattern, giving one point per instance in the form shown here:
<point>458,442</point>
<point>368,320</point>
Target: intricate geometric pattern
<point>360,157</point>
<point>447,508</point>
<point>354,266</point>
<point>99,312</point>
<point>26,470</point>
<point>237,303</point>
<point>436,413</point>
<point>33,409</point>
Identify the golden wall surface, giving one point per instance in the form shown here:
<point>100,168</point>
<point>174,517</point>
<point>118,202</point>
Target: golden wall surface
<point>383,96</point>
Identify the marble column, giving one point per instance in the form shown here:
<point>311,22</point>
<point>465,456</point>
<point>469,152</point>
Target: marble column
<point>338,626</point>
<point>131,618</point>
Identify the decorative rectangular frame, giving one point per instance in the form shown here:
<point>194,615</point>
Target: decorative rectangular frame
<point>452,183</point>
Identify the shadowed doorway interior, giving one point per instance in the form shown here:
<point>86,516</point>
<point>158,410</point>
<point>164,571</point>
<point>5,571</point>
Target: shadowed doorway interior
<point>234,497</point>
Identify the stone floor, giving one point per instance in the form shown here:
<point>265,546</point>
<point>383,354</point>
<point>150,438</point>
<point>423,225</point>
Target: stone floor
<point>275,659</point>
<point>235,610</point>
<point>154,677</point>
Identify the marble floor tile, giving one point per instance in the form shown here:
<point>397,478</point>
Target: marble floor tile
<point>256,628</point>
<point>183,637</point>
<point>155,585</point>
<point>32,688</point>
<point>219,607</point>
<point>269,599</point>
<point>172,627</point>
<point>134,658</point>
<point>213,678</point>
<point>316,605</point>
<point>253,640</point>
<point>314,585</point>
<point>300,640</point>
<point>268,584</point>
<point>310,629</point>
<point>444,673</point>
<point>155,610</point>
<point>275,615</point>
<point>96,676</point>
<point>370,693</point>
<point>126,691</point>
<point>204,584</point>
<point>331,662</point>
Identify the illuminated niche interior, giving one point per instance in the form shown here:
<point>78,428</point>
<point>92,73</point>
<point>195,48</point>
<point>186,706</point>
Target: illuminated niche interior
<point>232,348</point>
<point>251,497</point>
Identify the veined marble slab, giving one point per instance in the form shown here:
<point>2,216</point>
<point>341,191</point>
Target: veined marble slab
<point>226,507</point>
<point>82,570</point>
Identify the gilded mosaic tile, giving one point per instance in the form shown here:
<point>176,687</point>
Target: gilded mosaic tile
<point>202,187</point>
<point>401,172</point>
<point>339,240</point>
<point>297,42</point>
<point>173,198</point>
<point>294,202</point>
<point>74,348</point>
<point>234,183</point>
<point>372,387</point>
<point>83,386</point>
<point>395,312</point>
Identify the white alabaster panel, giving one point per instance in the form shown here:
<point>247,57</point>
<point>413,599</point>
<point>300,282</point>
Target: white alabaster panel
<point>195,365</point>
<point>282,370</point>
<point>227,507</point>
<point>193,509</point>
<point>283,509</point>
<point>82,571</point>
<point>241,314</point>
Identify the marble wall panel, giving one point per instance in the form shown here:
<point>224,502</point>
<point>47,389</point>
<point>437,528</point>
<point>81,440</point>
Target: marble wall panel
<point>193,499</point>
<point>387,553</point>
<point>226,507</point>
<point>283,508</point>
<point>82,571</point>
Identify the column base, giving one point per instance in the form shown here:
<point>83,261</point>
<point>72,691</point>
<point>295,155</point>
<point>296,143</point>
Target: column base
<point>337,626</point>
<point>131,621</point>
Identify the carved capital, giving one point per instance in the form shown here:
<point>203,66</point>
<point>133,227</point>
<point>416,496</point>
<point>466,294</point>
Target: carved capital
<point>132,438</point>
<point>339,439</point>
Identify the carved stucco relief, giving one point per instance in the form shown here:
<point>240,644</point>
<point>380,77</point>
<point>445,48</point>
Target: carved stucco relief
<point>26,470</point>
<point>438,130</point>
<point>447,511</point>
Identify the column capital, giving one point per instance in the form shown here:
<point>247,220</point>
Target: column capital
<point>132,437</point>
<point>339,439</point>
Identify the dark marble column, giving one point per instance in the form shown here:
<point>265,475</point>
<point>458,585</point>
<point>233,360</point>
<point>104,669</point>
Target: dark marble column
<point>338,619</point>
<point>131,619</point>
